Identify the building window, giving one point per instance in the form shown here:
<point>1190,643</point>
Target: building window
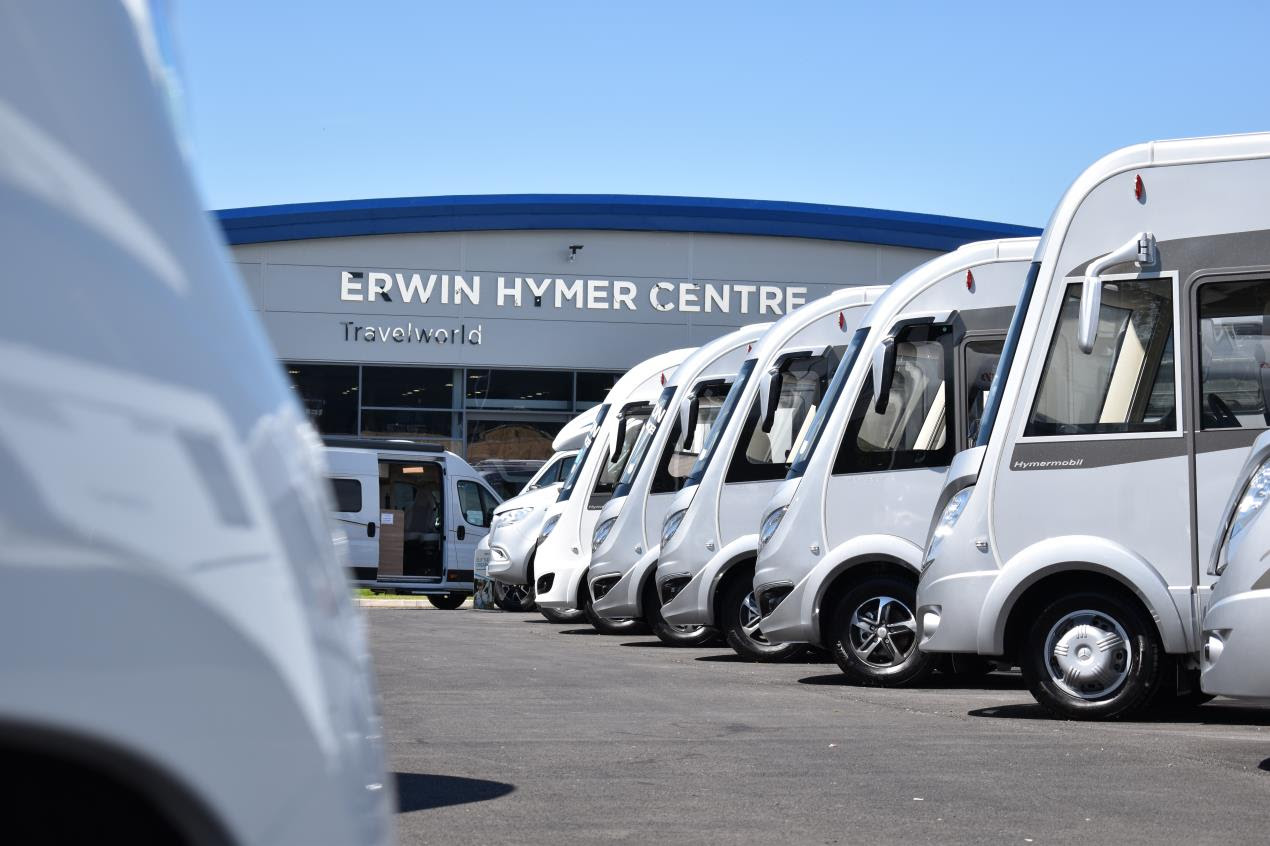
<point>436,427</point>
<point>519,389</point>
<point>509,439</point>
<point>329,394</point>
<point>593,388</point>
<point>408,387</point>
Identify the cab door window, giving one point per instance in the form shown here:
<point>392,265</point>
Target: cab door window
<point>476,505</point>
<point>915,426</point>
<point>1127,384</point>
<point>980,359</point>
<point>765,452</point>
<point>1234,365</point>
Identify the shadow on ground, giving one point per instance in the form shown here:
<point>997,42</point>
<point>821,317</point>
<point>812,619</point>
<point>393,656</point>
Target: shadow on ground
<point>424,791</point>
<point>1204,715</point>
<point>939,681</point>
<point>579,632</point>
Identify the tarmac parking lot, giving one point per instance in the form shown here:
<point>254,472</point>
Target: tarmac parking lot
<point>503,728</point>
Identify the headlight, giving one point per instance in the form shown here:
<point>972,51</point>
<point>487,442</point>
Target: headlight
<point>770,524</point>
<point>952,513</point>
<point>671,525</point>
<point>602,533</point>
<point>514,515</point>
<point>548,526</point>
<point>1255,495</point>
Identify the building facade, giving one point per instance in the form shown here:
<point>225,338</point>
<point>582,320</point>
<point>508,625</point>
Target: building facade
<point>485,323</point>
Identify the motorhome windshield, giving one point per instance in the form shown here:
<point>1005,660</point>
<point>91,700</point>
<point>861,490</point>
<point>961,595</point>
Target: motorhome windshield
<point>805,449</point>
<point>571,481</point>
<point>645,440</point>
<point>721,422</point>
<point>993,404</point>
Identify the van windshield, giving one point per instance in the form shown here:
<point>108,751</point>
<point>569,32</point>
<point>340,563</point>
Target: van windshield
<point>645,441</point>
<point>805,449</point>
<point>721,422</point>
<point>579,460</point>
<point>993,404</point>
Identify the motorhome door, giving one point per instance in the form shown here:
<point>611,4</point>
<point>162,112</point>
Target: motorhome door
<point>468,522</point>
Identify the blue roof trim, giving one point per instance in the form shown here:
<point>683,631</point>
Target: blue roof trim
<point>607,211</point>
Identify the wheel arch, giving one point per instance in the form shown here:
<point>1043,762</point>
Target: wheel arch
<point>880,554</point>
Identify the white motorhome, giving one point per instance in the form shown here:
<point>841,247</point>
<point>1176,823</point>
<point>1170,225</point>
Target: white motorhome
<point>627,534</point>
<point>513,539</point>
<point>419,516</point>
<point>708,540</point>
<point>841,541</point>
<point>1236,628</point>
<point>182,661</point>
<point>564,546</point>
<point>1069,539</point>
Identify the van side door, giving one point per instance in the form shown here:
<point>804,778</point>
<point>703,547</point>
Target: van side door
<point>473,509</point>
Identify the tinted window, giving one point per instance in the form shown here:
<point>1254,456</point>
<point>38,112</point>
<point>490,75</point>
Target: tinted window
<point>721,422</point>
<point>914,428</point>
<point>348,495</point>
<point>329,395</point>
<point>1234,340</point>
<point>432,426</point>
<point>1126,383</point>
<point>474,503</point>
<point>980,359</point>
<point>645,440</point>
<point>519,389</point>
<point>630,423</point>
<point>680,454</point>
<point>832,396</point>
<point>410,387</point>
<point>575,469</point>
<point>765,449</point>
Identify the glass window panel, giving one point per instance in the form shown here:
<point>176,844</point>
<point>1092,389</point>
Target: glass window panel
<point>508,476</point>
<point>1234,334</point>
<point>1126,383</point>
<point>511,439</point>
<point>471,503</point>
<point>411,387</point>
<point>329,395</point>
<point>631,422</point>
<point>593,388</point>
<point>432,426</point>
<point>981,358</point>
<point>678,458</point>
<point>348,495</point>
<point>519,389</point>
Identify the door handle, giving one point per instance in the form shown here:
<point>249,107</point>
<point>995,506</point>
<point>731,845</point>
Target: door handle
<point>460,533</point>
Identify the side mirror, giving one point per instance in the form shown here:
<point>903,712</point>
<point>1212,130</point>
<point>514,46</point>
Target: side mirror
<point>688,419</point>
<point>769,394</point>
<point>883,373</point>
<point>1139,249</point>
<point>619,438</point>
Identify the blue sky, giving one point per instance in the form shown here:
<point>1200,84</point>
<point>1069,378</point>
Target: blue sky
<point>980,110</point>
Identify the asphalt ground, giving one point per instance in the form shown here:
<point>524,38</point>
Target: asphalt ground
<point>503,728</point>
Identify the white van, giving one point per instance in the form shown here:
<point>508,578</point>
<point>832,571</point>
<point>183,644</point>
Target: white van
<point>708,540</point>
<point>564,547</point>
<point>1070,538</point>
<point>626,542</point>
<point>840,543</point>
<point>1234,660</point>
<point>182,661</point>
<point>420,513</point>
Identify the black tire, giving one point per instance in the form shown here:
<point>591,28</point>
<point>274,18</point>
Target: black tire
<point>1132,674</point>
<point>447,601</point>
<point>687,636</point>
<point>512,598</point>
<point>886,656</point>
<point>1171,702</point>
<point>738,619</point>
<point>602,624</point>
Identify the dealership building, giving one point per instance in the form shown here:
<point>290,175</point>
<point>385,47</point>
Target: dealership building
<point>486,322</point>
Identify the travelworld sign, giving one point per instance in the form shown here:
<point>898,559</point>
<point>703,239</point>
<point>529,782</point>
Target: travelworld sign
<point>455,289</point>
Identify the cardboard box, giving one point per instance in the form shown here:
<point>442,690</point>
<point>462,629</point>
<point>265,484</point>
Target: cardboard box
<point>392,541</point>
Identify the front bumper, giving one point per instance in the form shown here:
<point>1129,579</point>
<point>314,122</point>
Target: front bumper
<point>624,600</point>
<point>949,610</point>
<point>796,619</point>
<point>557,577</point>
<point>694,604</point>
<point>510,551</point>
<point>1232,653</point>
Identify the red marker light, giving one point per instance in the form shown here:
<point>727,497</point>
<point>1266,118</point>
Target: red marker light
<point>842,321</point>
<point>970,282</point>
<point>749,347</point>
<point>1139,190</point>
<point>663,378</point>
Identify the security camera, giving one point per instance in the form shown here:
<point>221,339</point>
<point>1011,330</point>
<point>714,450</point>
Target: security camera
<point>573,251</point>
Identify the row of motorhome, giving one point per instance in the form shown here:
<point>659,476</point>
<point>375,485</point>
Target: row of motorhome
<point>1015,454</point>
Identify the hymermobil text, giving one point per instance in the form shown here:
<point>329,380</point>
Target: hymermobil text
<point>579,294</point>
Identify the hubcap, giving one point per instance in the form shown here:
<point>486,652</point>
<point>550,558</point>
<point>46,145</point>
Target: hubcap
<point>751,618</point>
<point>883,632</point>
<point>1088,654</point>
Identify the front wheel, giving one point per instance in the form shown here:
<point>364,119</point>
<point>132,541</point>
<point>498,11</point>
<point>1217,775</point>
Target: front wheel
<point>873,634</point>
<point>603,625</point>
<point>511,597</point>
<point>1093,656</point>
<point>672,635</point>
<point>741,626</point>
<point>551,614</point>
<point>447,601</point>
